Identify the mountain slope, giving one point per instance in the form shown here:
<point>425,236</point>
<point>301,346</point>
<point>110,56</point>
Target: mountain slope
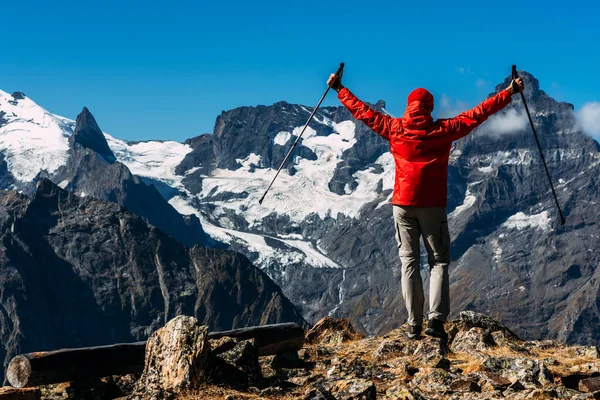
<point>324,232</point>
<point>80,272</point>
<point>76,156</point>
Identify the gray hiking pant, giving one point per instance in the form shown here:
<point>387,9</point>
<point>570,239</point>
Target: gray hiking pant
<point>432,224</point>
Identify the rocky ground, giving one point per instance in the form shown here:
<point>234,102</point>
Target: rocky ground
<point>482,359</point>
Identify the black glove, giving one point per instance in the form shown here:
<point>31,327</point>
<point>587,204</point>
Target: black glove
<point>335,82</point>
<point>516,86</point>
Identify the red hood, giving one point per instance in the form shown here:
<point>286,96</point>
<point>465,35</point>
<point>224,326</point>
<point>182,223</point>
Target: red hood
<point>417,117</point>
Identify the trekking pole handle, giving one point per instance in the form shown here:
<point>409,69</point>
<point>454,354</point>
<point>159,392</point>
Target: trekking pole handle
<point>514,72</point>
<point>340,70</point>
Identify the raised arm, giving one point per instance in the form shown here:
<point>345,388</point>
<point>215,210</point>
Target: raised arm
<point>461,125</point>
<point>382,124</point>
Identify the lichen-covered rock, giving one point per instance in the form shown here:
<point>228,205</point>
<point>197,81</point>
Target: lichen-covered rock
<point>585,351</point>
<point>176,359</point>
<point>388,348</point>
<point>331,331</point>
<point>430,347</point>
<point>530,372</point>
<point>471,319</point>
<point>432,380</point>
<point>358,368</point>
<point>491,382</point>
<point>354,389</point>
<point>244,357</point>
<point>464,385</point>
<point>403,393</point>
<point>473,339</point>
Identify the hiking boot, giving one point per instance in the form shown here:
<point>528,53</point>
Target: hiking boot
<point>414,331</point>
<point>435,328</point>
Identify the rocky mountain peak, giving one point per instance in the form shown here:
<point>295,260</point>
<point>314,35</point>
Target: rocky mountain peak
<point>536,97</point>
<point>18,95</point>
<point>88,135</point>
<point>45,187</point>
<point>380,104</point>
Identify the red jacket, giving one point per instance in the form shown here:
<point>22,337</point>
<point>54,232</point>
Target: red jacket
<point>421,146</point>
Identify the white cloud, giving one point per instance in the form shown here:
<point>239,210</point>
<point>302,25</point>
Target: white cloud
<point>511,121</point>
<point>482,84</point>
<point>589,118</point>
<point>448,108</point>
<point>460,70</point>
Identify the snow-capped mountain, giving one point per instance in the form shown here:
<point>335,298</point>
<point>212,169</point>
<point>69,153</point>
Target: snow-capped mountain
<point>75,154</point>
<point>324,232</point>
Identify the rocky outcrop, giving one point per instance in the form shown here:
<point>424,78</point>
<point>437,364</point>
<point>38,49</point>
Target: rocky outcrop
<point>331,331</point>
<point>77,272</point>
<point>358,369</point>
<point>176,360</point>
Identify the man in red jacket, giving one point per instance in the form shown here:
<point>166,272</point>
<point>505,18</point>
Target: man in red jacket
<point>421,149</point>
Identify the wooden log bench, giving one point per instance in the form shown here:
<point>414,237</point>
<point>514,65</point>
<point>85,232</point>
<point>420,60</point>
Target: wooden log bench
<point>47,367</point>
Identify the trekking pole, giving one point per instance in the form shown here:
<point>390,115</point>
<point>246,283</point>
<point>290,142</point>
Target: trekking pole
<point>515,75</point>
<point>338,73</point>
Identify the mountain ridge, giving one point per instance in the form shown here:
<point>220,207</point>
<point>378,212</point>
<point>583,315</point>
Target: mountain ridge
<point>327,220</point>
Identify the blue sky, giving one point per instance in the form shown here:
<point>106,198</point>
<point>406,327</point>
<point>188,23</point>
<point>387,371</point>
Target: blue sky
<point>166,70</point>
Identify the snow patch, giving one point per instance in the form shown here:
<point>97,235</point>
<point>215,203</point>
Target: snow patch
<point>467,203</point>
<point>32,140</point>
<point>307,191</point>
<point>282,138</point>
<point>521,221</point>
<point>155,160</point>
<point>253,160</point>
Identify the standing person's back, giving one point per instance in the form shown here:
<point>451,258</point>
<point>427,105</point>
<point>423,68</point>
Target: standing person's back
<point>421,149</point>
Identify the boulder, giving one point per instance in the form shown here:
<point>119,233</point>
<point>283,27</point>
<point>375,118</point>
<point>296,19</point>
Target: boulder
<point>464,385</point>
<point>332,331</point>
<point>472,340</point>
<point>429,346</point>
<point>491,382</point>
<point>388,348</point>
<point>432,380</point>
<point>244,356</point>
<point>471,319</point>
<point>176,359</point>
<point>531,373</point>
<point>354,389</point>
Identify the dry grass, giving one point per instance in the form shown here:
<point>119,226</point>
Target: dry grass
<point>567,363</point>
